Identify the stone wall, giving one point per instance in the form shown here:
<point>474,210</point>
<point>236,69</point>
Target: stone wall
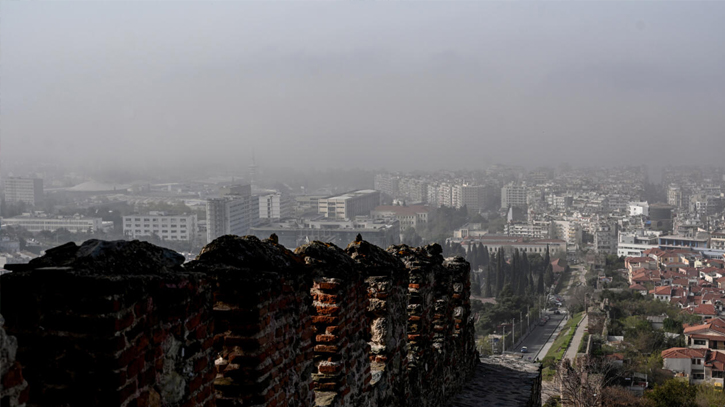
<point>14,389</point>
<point>248,323</point>
<point>111,323</point>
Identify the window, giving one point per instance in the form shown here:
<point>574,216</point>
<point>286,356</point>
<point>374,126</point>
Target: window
<point>698,376</point>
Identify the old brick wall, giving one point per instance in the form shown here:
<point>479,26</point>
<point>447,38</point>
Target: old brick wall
<point>111,324</point>
<point>341,370</point>
<point>262,322</point>
<point>248,323</point>
<point>386,280</point>
<point>14,389</point>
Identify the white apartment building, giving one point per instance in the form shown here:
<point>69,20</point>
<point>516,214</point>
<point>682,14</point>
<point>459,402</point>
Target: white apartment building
<point>39,223</point>
<point>534,230</point>
<point>633,244</point>
<point>387,184</point>
<point>27,190</point>
<point>513,195</point>
<point>166,227</point>
<point>349,205</point>
<point>569,231</point>
<point>274,206</point>
<point>638,208</point>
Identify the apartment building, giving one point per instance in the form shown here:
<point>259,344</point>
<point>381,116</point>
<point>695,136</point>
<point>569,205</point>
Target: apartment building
<point>166,227</point>
<point>26,190</point>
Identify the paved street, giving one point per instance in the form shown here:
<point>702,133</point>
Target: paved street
<point>576,340</point>
<point>539,337</point>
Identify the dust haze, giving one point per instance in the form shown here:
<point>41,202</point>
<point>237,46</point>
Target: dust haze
<point>396,85</point>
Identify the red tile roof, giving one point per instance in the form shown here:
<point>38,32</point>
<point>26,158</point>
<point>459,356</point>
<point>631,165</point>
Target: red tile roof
<point>683,353</point>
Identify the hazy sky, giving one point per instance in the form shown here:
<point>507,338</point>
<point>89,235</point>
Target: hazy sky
<point>400,85</point>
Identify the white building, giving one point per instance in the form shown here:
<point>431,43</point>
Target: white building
<point>349,205</point>
<point>27,190</point>
<point>274,206</point>
<point>39,223</point>
<point>633,244</point>
<point>414,216</point>
<point>638,208</point>
<point>513,195</point>
<point>166,227</point>
<point>232,214</point>
<point>569,231</point>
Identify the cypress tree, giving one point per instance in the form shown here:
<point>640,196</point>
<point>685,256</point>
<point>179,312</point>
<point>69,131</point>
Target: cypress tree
<point>540,285</point>
<point>483,255</point>
<point>487,285</point>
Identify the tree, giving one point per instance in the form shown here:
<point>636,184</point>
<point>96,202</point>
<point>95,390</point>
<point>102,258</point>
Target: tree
<point>582,384</point>
<point>616,396</point>
<point>673,392</point>
<point>411,237</point>
<point>488,284</point>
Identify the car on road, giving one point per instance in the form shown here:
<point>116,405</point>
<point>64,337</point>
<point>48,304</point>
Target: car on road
<point>524,349</point>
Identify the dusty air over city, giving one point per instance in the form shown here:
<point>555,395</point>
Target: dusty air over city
<point>404,204</point>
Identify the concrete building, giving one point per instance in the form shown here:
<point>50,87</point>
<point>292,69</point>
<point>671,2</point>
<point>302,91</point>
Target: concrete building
<point>166,227</point>
<point>511,243</point>
<point>232,214</point>
<point>293,232</point>
<point>349,205</point>
<point>414,216</point>
<point>605,238</point>
<point>474,197</point>
<point>413,190</point>
<point>41,222</point>
<point>274,206</point>
<point>534,230</point>
<point>569,231</point>
<point>26,190</point>
<point>633,244</point>
<point>513,195</point>
<point>638,208</point>
<point>387,184</point>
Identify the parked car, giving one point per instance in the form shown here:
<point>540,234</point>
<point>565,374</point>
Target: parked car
<point>524,349</point>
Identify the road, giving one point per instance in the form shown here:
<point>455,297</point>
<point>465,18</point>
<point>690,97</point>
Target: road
<point>539,337</point>
<point>542,337</point>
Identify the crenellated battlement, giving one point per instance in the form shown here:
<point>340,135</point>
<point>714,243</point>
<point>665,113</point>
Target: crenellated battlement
<point>248,323</point>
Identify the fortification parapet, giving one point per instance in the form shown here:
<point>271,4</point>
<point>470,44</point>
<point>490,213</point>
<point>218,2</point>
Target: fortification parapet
<point>248,323</point>
<point>117,324</point>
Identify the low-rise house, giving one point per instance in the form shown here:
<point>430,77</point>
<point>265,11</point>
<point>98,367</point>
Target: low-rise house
<point>662,293</point>
<point>689,362</point>
<point>638,288</point>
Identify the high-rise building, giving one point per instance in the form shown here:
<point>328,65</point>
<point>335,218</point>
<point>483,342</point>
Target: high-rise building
<point>387,184</point>
<point>513,195</point>
<point>26,190</point>
<point>474,196</point>
<point>232,214</point>
<point>274,206</point>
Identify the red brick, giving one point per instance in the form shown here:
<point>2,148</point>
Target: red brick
<point>325,338</point>
<point>14,377</point>
<point>334,310</point>
<point>201,364</point>
<point>325,319</point>
<point>193,322</point>
<point>326,349</point>
<point>124,321</point>
<point>327,286</point>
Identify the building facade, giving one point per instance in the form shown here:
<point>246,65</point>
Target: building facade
<point>26,190</point>
<point>39,223</point>
<point>349,205</point>
<point>232,214</point>
<point>513,195</point>
<point>166,227</point>
<point>274,206</point>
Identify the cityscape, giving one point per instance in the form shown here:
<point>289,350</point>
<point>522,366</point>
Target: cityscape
<point>362,204</point>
